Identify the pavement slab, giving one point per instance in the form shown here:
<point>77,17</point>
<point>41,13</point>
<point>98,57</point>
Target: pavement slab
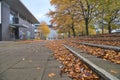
<point>28,61</point>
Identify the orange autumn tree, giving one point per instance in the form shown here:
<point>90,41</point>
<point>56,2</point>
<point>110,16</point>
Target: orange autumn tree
<point>63,16</point>
<point>43,30</point>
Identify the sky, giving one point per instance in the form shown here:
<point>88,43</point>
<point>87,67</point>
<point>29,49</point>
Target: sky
<point>39,8</point>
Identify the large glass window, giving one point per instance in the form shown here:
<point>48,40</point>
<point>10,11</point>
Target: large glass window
<point>11,18</point>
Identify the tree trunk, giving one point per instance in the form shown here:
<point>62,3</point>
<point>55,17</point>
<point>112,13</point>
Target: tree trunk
<point>102,29</point>
<point>102,26</point>
<point>86,24</point>
<point>109,28</point>
<point>73,30</point>
<point>69,34</point>
<point>102,21</point>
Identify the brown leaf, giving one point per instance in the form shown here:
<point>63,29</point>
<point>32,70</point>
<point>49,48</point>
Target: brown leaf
<point>113,71</point>
<point>51,75</point>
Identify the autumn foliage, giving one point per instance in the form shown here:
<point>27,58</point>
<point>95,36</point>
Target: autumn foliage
<point>43,29</point>
<point>69,14</point>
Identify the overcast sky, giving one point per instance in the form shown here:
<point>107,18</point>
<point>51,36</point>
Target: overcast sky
<point>39,8</point>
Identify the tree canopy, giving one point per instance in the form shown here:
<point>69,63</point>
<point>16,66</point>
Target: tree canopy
<point>44,29</point>
<point>73,15</point>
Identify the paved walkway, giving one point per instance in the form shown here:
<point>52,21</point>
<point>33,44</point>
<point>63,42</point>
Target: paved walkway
<point>28,61</point>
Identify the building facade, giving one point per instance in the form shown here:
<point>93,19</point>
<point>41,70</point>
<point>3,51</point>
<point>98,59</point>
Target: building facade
<point>36,32</point>
<point>16,21</point>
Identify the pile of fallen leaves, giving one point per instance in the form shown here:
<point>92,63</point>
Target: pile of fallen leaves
<point>106,39</point>
<point>110,55</point>
<point>113,41</point>
<point>71,65</point>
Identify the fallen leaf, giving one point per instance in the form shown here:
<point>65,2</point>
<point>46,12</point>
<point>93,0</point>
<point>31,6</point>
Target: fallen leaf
<point>51,75</point>
<point>38,68</point>
<point>113,71</point>
<point>23,59</point>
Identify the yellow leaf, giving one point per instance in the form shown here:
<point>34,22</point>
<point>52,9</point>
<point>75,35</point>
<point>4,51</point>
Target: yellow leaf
<point>113,71</point>
<point>51,75</point>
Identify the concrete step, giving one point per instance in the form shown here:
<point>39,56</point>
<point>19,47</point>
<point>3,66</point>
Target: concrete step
<point>115,48</point>
<point>105,69</point>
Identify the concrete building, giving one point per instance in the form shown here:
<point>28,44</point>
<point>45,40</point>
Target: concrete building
<point>36,32</point>
<point>16,21</point>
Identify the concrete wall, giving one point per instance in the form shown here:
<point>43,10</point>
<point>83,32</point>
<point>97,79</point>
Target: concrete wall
<point>5,21</point>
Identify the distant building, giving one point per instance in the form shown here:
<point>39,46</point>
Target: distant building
<point>53,33</point>
<point>36,32</point>
<point>16,21</point>
<point>116,31</point>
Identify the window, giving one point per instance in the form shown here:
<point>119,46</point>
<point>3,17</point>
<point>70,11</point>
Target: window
<point>11,18</point>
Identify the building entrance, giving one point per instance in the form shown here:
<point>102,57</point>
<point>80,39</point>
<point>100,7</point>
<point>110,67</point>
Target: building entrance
<point>14,33</point>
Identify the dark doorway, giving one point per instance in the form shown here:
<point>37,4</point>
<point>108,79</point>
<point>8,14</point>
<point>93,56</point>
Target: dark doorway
<point>14,33</point>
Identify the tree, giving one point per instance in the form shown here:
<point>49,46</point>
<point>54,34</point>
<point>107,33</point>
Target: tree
<point>44,29</point>
<point>88,10</point>
<point>110,14</point>
<point>64,15</point>
<point>60,21</point>
<point>78,10</point>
